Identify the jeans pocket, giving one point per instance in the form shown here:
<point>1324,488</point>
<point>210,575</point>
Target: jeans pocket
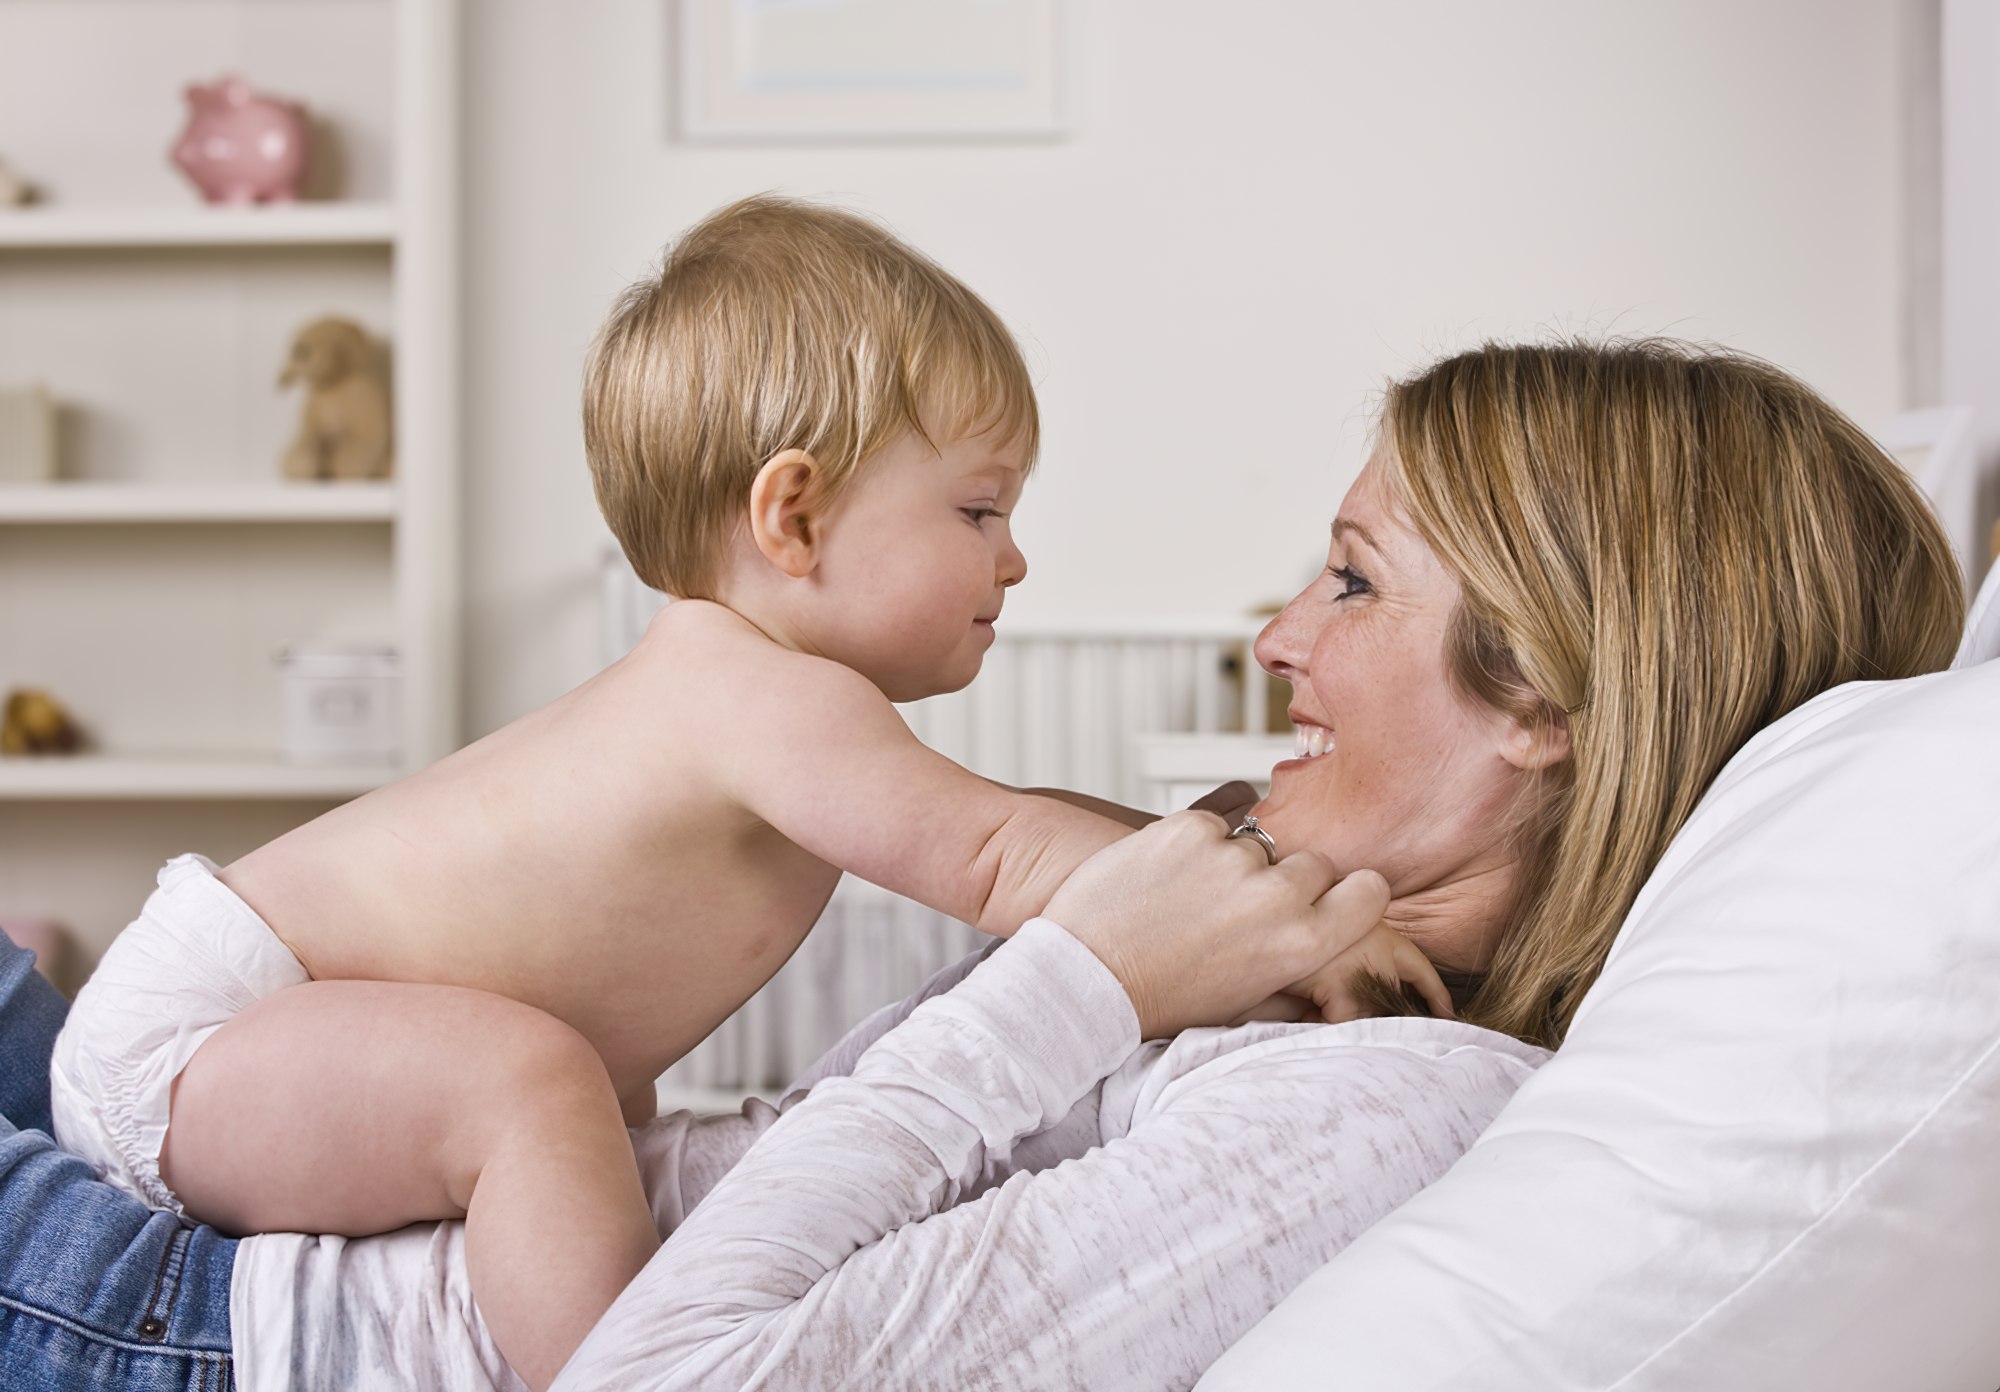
<point>159,1307</point>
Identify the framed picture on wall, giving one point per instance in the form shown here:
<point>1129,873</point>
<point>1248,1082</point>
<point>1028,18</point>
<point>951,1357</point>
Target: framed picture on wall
<point>808,70</point>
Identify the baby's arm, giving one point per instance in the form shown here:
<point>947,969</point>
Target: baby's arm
<point>1103,807</point>
<point>824,758</point>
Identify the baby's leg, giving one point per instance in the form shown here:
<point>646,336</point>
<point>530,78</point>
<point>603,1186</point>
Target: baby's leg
<point>356,1107</point>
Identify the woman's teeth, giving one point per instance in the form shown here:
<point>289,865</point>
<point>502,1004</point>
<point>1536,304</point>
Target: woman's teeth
<point>1311,741</point>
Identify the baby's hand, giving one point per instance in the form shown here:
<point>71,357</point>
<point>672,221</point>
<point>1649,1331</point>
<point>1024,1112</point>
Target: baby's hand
<point>1385,953</point>
<point>1228,802</point>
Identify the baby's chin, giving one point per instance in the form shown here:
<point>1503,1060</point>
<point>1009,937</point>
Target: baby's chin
<point>905,686</point>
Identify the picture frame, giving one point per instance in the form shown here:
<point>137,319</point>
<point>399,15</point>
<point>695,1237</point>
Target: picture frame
<point>803,71</point>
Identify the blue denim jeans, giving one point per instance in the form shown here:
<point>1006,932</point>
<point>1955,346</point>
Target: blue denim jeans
<point>96,1290</point>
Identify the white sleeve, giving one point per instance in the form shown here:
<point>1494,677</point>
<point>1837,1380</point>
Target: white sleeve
<point>833,1255</point>
<point>839,1061</point>
<point>682,1155</point>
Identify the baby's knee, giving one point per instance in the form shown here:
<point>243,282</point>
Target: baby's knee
<point>544,1070</point>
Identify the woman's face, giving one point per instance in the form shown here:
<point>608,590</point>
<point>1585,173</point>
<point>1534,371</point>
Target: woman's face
<point>1398,771</point>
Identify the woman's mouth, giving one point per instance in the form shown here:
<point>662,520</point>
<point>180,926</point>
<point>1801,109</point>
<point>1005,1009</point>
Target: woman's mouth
<point>1310,741</point>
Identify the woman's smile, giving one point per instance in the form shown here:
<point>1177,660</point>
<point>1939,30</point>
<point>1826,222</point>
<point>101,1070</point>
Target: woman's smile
<point>1309,740</point>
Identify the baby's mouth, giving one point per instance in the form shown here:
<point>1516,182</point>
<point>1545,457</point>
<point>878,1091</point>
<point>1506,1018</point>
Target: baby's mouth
<point>1311,741</point>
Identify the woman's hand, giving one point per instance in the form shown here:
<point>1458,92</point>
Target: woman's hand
<point>1381,952</point>
<point>1199,929</point>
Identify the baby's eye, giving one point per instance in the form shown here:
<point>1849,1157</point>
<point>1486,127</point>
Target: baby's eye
<point>1352,581</point>
<point>976,515</point>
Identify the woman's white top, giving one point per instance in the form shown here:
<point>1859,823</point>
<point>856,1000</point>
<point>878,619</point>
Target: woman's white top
<point>992,1185</point>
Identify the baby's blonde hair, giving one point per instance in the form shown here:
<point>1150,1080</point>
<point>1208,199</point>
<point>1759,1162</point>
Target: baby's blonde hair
<point>776,324</point>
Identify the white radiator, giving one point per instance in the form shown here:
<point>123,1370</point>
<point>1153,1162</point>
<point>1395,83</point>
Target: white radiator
<point>1057,704</point>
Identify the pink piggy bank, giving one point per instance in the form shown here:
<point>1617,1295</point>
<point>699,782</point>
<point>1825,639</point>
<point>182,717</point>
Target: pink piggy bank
<point>241,147</point>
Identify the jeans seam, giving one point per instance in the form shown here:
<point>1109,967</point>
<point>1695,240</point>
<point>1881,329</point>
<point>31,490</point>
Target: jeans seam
<point>167,1284</point>
<point>100,1336</point>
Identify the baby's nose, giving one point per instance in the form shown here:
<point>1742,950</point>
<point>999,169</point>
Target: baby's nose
<point>1013,566</point>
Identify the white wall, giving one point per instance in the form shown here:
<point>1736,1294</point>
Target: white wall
<point>1268,207</point>
<point>1969,299</point>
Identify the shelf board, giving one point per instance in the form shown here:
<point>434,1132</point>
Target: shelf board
<point>264,225</point>
<point>103,777</point>
<point>1193,758</point>
<point>221,502</point>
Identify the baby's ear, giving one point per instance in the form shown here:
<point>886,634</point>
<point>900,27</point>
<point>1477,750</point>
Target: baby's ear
<point>781,517</point>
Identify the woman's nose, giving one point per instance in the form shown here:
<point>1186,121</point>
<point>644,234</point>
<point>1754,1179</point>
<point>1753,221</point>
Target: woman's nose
<point>1284,644</point>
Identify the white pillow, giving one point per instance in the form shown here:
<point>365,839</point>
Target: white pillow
<point>1768,1155</point>
<point>1982,627</point>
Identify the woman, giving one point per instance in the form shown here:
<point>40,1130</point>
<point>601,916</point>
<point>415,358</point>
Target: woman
<point>1571,582</point>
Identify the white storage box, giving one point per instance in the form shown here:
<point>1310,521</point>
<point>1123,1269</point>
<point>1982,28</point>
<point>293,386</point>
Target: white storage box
<point>342,704</point>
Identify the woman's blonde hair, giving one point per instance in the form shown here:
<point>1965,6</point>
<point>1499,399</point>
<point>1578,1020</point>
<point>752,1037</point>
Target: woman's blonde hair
<point>776,324</point>
<point>1668,547</point>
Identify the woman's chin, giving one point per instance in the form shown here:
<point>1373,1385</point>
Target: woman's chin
<point>1299,781</point>
<point>1299,824</point>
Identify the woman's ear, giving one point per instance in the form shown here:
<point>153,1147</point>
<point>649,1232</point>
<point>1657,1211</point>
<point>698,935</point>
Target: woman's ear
<point>1534,746</point>
<point>782,523</point>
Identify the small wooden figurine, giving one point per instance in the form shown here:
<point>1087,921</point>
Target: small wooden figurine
<point>344,429</point>
<point>34,723</point>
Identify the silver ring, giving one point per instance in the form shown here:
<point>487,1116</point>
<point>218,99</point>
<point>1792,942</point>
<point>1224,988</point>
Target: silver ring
<point>1259,835</point>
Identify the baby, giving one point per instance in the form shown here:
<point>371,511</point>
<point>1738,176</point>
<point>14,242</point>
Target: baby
<point>450,997</point>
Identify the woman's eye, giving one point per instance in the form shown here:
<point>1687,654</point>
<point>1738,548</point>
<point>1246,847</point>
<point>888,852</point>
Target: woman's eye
<point>1352,583</point>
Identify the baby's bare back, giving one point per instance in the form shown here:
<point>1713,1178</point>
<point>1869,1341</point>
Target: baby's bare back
<point>587,860</point>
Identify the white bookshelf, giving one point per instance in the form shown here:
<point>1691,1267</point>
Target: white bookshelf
<point>188,778</point>
<point>1178,768</point>
<point>140,503</point>
<point>150,588</point>
<point>142,228</point>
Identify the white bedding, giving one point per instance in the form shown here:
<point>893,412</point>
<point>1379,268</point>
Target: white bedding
<point>1098,1234</point>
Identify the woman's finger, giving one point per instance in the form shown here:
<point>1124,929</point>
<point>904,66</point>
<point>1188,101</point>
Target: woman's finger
<point>1415,969</point>
<point>1197,931</point>
<point>1351,909</point>
<point>1254,846</point>
<point>1312,873</point>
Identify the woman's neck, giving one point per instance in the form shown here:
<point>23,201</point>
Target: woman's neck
<point>1457,921</point>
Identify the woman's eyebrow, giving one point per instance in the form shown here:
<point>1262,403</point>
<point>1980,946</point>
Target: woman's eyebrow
<point>1341,527</point>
